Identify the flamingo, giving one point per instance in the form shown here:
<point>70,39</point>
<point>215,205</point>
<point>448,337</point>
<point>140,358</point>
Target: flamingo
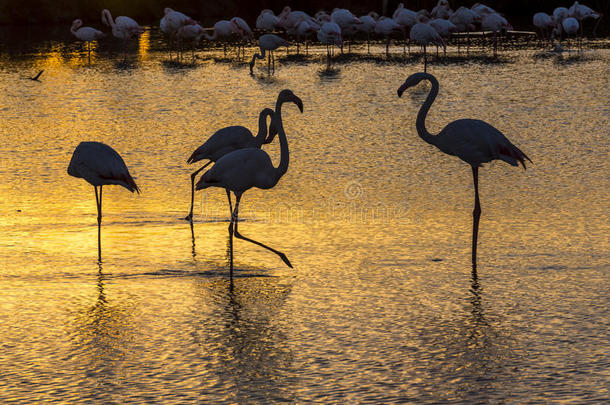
<point>570,27</point>
<point>444,28</point>
<point>386,27</point>
<point>172,21</point>
<point>581,13</point>
<point>423,34</point>
<point>87,34</point>
<point>347,21</point>
<point>100,165</point>
<point>223,30</point>
<point>464,19</point>
<point>330,34</point>
<point>123,28</point>
<point>267,43</point>
<point>227,140</point>
<point>243,169</point>
<point>442,10</point>
<point>267,21</point>
<point>406,19</point>
<point>543,22</point>
<point>192,32</point>
<point>244,32</point>
<point>304,30</point>
<point>474,141</point>
<point>368,27</point>
<point>495,22</point>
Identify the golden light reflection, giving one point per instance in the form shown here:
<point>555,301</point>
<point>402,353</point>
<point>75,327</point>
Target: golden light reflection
<point>144,44</point>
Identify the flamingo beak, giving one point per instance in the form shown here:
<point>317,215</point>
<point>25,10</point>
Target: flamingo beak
<point>298,102</point>
<point>402,89</point>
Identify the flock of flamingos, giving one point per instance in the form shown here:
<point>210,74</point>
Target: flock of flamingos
<point>421,27</point>
<point>238,161</point>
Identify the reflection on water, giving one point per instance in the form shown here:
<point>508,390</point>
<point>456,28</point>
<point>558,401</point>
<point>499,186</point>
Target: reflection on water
<point>381,306</point>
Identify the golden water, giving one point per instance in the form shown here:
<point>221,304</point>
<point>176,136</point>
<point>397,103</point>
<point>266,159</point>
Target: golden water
<point>380,305</point>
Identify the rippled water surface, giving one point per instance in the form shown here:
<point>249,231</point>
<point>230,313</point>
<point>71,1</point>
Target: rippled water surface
<point>381,305</point>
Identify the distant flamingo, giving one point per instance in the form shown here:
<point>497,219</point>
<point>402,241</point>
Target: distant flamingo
<point>386,27</point>
<point>123,28</point>
<point>243,169</point>
<point>227,140</point>
<point>172,22</point>
<point>442,10</point>
<point>544,23</point>
<point>474,141</point>
<point>223,30</point>
<point>495,23</point>
<point>329,34</point>
<point>267,21</point>
<point>190,32</point>
<point>267,43</point>
<point>244,32</point>
<point>100,165</point>
<point>86,34</point>
<point>368,27</point>
<point>424,34</point>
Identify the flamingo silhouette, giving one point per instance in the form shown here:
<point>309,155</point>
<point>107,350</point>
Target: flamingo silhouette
<point>243,169</point>
<point>100,165</point>
<point>227,140</point>
<point>474,141</point>
<point>267,43</point>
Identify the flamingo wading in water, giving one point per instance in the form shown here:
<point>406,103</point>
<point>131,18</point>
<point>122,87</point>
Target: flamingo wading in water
<point>100,165</point>
<point>267,43</point>
<point>86,34</point>
<point>243,169</point>
<point>474,141</point>
<point>227,140</point>
<point>123,28</point>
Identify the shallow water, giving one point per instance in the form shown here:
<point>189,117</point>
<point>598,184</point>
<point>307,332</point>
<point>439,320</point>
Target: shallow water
<point>381,305</point>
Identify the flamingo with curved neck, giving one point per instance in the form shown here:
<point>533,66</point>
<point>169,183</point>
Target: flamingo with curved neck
<point>243,169</point>
<point>227,140</point>
<point>122,28</point>
<point>474,141</point>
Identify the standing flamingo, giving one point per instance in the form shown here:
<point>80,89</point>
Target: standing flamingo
<point>386,27</point>
<point>172,22</point>
<point>267,21</point>
<point>243,169</point>
<point>100,165</point>
<point>245,34</point>
<point>227,140</point>
<point>123,28</point>
<point>330,34</point>
<point>86,34</point>
<point>424,34</point>
<point>223,30</point>
<point>267,43</point>
<point>474,141</point>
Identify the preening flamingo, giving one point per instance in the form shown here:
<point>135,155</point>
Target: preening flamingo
<point>227,140</point>
<point>267,43</point>
<point>87,34</point>
<point>474,141</point>
<point>100,165</point>
<point>123,28</point>
<point>243,169</point>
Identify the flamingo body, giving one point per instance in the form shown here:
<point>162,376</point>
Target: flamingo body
<point>100,165</point>
<point>267,21</point>
<point>87,34</point>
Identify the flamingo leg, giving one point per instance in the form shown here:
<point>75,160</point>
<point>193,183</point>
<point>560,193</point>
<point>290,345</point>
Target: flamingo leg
<point>189,217</point>
<point>425,60</point>
<point>234,221</point>
<point>193,252</point>
<point>476,215</point>
<point>98,202</point>
<point>230,205</point>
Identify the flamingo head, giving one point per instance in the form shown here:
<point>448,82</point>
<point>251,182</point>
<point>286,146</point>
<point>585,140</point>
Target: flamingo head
<point>411,81</point>
<point>76,24</point>
<point>288,95</point>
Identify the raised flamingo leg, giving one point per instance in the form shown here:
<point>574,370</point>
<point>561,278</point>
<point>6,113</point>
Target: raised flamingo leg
<point>189,217</point>
<point>234,221</point>
<point>476,215</point>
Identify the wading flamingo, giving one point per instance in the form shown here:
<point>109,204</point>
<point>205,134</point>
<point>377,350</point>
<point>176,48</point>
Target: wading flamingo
<point>227,140</point>
<point>86,34</point>
<point>330,34</point>
<point>223,30</point>
<point>267,43</point>
<point>171,23</point>
<point>243,169</point>
<point>474,141</point>
<point>100,165</point>
<point>423,34</point>
<point>123,28</point>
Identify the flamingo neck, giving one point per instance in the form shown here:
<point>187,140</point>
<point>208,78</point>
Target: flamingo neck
<point>284,153</point>
<point>108,18</point>
<point>262,127</point>
<point>420,124</point>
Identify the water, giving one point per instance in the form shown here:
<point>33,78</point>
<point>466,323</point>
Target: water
<point>381,305</point>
